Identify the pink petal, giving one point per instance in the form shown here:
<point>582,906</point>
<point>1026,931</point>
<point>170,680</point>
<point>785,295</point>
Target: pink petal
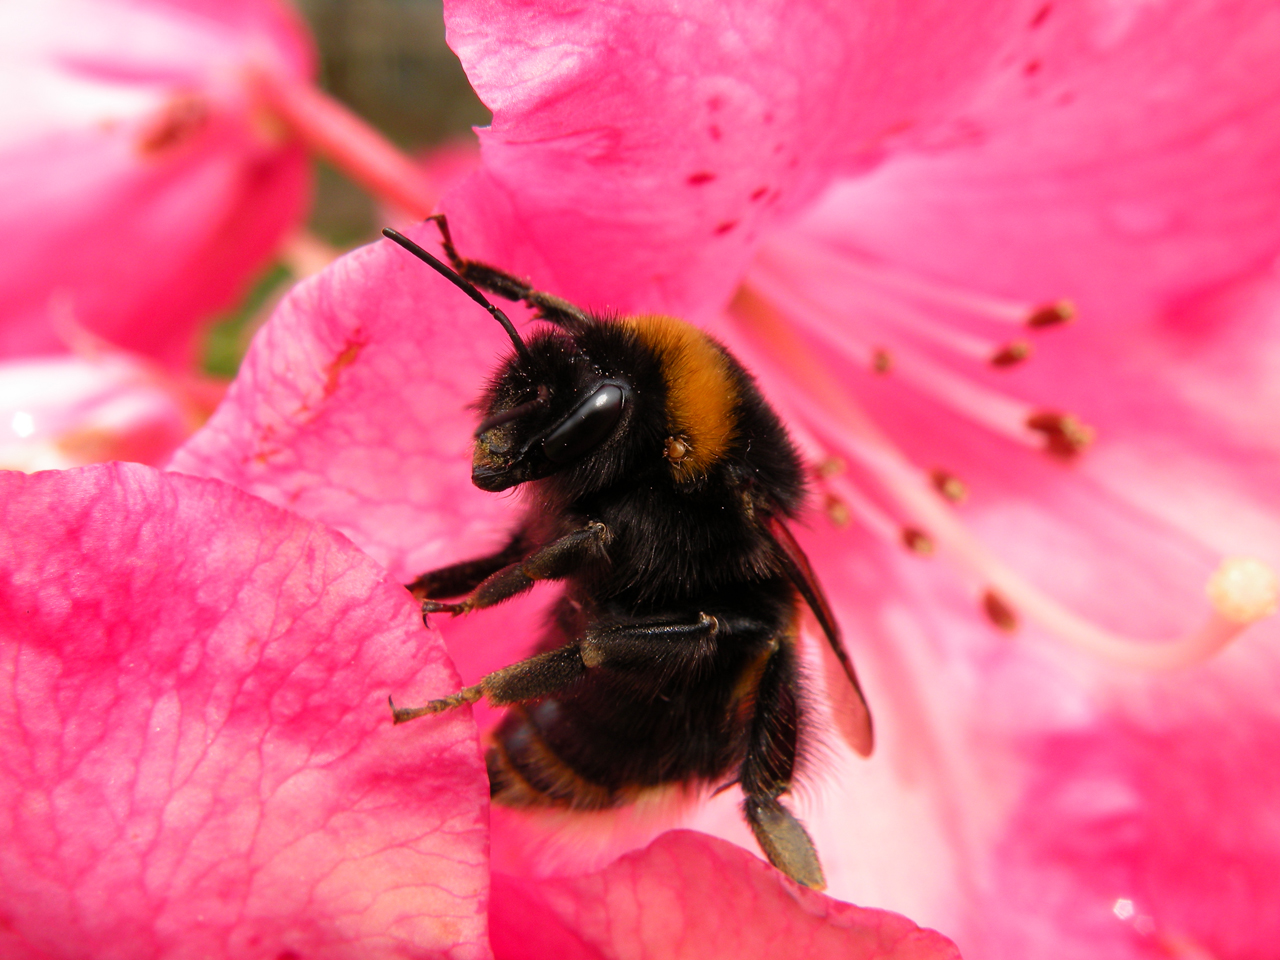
<point>1152,832</point>
<point>197,750</point>
<point>351,407</point>
<point>142,189</point>
<point>60,412</point>
<point>690,895</point>
<point>637,151</point>
<point>1131,153</point>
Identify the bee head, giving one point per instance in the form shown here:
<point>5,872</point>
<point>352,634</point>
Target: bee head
<point>547,412</point>
<point>551,408</point>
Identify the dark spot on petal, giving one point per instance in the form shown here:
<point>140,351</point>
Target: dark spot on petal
<point>715,103</point>
<point>701,177</point>
<point>1031,68</point>
<point>725,227</point>
<point>345,359</point>
<point>758,193</point>
<point>178,122</point>
<point>714,131</point>
<point>1041,16</point>
<point>768,117</point>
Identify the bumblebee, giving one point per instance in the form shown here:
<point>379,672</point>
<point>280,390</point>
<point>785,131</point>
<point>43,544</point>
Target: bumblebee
<point>661,483</point>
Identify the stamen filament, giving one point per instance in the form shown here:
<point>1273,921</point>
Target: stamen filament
<point>864,272</point>
<point>831,410</point>
<point>857,305</point>
<point>767,284</point>
<point>868,515</point>
<point>1015,420</point>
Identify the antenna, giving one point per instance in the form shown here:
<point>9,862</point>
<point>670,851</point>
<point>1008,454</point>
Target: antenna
<point>462,284</point>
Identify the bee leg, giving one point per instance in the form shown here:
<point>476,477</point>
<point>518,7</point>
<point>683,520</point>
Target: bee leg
<point>547,673</point>
<point>767,771</point>
<point>539,676</point>
<point>461,578</point>
<point>676,644</point>
<point>555,561</point>
<point>549,306</point>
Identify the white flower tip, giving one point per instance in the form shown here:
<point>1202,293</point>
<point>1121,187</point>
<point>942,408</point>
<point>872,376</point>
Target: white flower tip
<point>1243,590</point>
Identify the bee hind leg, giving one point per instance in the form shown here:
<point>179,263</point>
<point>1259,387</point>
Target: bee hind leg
<point>531,679</point>
<point>767,771</point>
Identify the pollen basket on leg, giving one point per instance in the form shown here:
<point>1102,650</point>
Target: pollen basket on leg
<point>701,392</point>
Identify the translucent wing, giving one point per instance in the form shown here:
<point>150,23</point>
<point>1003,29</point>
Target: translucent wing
<point>849,706</point>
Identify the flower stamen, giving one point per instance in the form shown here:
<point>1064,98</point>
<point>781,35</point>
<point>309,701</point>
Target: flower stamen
<point>1242,592</point>
<point>949,485</point>
<point>917,541</point>
<point>1011,354</point>
<point>881,312</point>
<point>1060,434</point>
<point>1052,315</point>
<point>863,273</point>
<point>1065,435</point>
<point>999,612</point>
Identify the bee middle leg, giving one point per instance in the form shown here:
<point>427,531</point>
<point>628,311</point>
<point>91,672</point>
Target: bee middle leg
<point>461,578</point>
<point>555,561</point>
<point>548,673</point>
<point>767,770</point>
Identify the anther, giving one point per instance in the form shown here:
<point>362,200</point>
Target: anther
<point>917,541</point>
<point>1052,315</point>
<point>949,485</point>
<point>1065,435</point>
<point>999,612</point>
<point>881,361</point>
<point>837,510</point>
<point>1011,354</point>
<point>830,467</point>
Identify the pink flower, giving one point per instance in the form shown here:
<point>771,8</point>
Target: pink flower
<point>144,181</point>
<point>837,192</point>
<point>941,173</point>
<point>58,412</point>
<point>197,759</point>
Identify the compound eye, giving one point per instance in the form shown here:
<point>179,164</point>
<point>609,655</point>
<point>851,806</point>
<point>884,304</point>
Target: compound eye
<point>594,420</point>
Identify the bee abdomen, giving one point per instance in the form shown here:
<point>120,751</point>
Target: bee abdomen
<point>524,771</point>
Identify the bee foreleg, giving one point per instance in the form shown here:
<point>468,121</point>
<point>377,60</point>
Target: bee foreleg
<point>555,561</point>
<point>461,578</point>
<point>767,771</point>
<point>539,676</point>
<point>506,285</point>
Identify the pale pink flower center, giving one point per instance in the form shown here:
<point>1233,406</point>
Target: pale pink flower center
<point>933,338</point>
